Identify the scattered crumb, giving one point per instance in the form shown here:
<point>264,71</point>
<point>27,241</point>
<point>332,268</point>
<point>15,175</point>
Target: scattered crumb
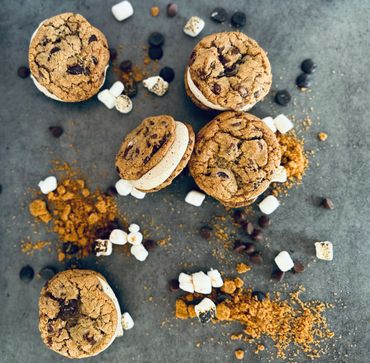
<point>242,268</point>
<point>154,11</point>
<point>322,136</point>
<point>239,354</point>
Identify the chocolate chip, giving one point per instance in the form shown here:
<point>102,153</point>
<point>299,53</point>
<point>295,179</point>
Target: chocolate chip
<point>205,232</point>
<point>327,203</point>
<point>47,273</point>
<point>68,310</point>
<point>89,339</point>
<point>308,66</point>
<point>167,74</point>
<point>231,71</point>
<point>156,39</point>
<point>70,248</point>
<point>75,70</point>
<point>93,38</point>
<point>173,285</point>
<point>264,221</point>
<point>242,91</point>
<point>73,263</point>
<point>219,15</point>
<point>95,60</point>
<point>155,53</point>
<point>56,131</point>
<point>130,88</point>
<point>223,175</point>
<point>125,65</point>
<point>23,72</point>
<point>54,50</point>
<point>222,297</point>
<point>256,258</point>
<point>26,274</point>
<point>303,81</point>
<point>259,294</point>
<point>248,228</point>
<point>216,89</point>
<point>112,54</point>
<point>150,244</point>
<point>239,246</point>
<point>238,19</point>
<point>111,191</point>
<point>240,216</point>
<point>257,235</point>
<point>298,267</point>
<point>250,248</point>
<point>278,275</point>
<point>282,97</point>
<point>172,10</point>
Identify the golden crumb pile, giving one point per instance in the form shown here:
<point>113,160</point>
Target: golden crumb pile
<point>77,215</point>
<point>287,322</point>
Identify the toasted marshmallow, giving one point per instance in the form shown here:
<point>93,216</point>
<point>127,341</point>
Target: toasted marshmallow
<point>205,310</point>
<point>156,85</point>
<point>102,247</point>
<point>194,26</point>
<point>324,250</point>
<point>135,238</point>
<point>123,104</point>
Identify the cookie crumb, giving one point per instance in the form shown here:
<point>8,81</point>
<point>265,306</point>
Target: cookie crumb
<point>322,136</point>
<point>239,354</point>
<point>242,268</point>
<point>154,11</point>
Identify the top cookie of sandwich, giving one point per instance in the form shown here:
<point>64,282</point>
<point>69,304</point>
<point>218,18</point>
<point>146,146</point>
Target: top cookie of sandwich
<point>231,71</point>
<point>144,147</point>
<point>234,158</point>
<point>68,57</point>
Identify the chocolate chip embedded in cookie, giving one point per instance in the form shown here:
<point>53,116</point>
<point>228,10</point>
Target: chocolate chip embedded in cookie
<point>79,315</point>
<point>227,71</point>
<point>154,153</point>
<point>234,159</point>
<point>68,58</point>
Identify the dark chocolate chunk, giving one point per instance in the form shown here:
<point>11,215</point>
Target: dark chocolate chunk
<point>278,275</point>
<point>68,310</point>
<point>298,267</point>
<point>56,131</point>
<point>240,216</point>
<point>75,70</point>
<point>223,175</point>
<point>54,50</point>
<point>173,285</point>
<point>130,88</point>
<point>172,10</point>
<point>156,39</point>
<point>150,244</point>
<point>303,81</point>
<point>243,91</point>
<point>155,53</point>
<point>205,232</point>
<point>308,66</point>
<point>257,235</point>
<point>111,191</point>
<point>264,221</point>
<point>125,65</point>
<point>95,60</point>
<point>238,19</point>
<point>70,248</point>
<point>256,258</point>
<point>167,74</point>
<point>222,297</point>
<point>219,15</point>
<point>259,295</point>
<point>327,203</point>
<point>239,246</point>
<point>216,89</point>
<point>93,38</point>
<point>47,272</point>
<point>250,248</point>
<point>282,97</point>
<point>23,72</point>
<point>26,274</point>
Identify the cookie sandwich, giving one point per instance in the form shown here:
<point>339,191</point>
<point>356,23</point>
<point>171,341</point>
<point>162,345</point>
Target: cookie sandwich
<point>68,58</point>
<point>235,157</point>
<point>227,71</point>
<point>154,153</point>
<point>79,314</point>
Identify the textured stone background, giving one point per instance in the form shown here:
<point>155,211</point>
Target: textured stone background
<point>335,34</point>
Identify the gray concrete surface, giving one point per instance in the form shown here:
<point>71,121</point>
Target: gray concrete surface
<point>336,35</point>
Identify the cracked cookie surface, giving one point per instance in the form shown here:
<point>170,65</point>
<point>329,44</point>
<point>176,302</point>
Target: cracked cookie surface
<point>235,156</point>
<point>76,318</point>
<point>144,147</point>
<point>68,56</point>
<point>231,70</point>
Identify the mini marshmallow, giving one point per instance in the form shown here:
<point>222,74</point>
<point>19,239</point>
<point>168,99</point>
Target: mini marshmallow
<point>202,283</point>
<point>135,238</point>
<point>102,247</point>
<point>117,88</point>
<point>127,321</point>
<point>48,185</point>
<point>216,279</point>
<point>107,98</point>
<point>269,204</point>
<point>195,198</point>
<point>123,104</point>
<point>123,187</point>
<point>133,228</point>
<point>122,10</point>
<point>186,282</point>
<point>118,237</point>
<point>269,121</point>
<point>137,193</point>
<point>139,252</point>
<point>280,175</point>
<point>324,250</point>
<point>194,26</point>
<point>205,310</point>
<point>156,85</point>
<point>283,124</point>
<point>284,261</point>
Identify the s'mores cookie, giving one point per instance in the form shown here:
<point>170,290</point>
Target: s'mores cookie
<point>154,153</point>
<point>227,71</point>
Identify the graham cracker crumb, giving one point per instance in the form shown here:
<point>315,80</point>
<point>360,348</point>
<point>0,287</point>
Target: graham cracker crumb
<point>154,11</point>
<point>239,354</point>
<point>322,136</point>
<point>242,268</point>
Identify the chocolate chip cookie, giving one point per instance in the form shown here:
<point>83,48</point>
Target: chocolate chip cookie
<point>234,159</point>
<point>77,317</point>
<point>68,58</point>
<point>227,71</point>
<point>154,153</point>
